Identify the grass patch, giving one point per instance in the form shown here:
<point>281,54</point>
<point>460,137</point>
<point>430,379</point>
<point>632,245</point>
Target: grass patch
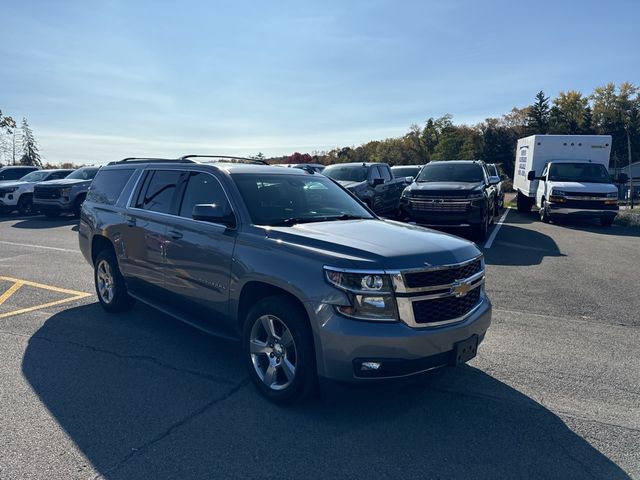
<point>628,218</point>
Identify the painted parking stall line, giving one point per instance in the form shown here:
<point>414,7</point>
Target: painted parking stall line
<point>496,229</point>
<point>17,284</point>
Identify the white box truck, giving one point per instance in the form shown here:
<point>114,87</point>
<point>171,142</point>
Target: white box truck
<point>565,175</point>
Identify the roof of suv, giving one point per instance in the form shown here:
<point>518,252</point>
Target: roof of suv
<point>234,165</point>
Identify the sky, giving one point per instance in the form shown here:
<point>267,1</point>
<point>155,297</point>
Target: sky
<point>99,81</point>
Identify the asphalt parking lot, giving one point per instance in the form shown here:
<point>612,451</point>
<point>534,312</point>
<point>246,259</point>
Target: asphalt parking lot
<point>554,392</point>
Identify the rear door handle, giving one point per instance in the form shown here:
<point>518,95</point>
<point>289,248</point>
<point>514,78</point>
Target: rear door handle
<point>175,234</point>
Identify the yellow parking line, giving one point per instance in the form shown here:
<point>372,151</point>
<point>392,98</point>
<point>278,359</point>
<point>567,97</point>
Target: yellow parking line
<point>17,283</point>
<point>13,289</point>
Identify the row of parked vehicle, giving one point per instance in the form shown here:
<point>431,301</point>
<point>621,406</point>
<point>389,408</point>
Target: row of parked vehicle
<point>446,194</point>
<point>29,190</point>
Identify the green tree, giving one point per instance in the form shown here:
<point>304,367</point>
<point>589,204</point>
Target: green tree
<point>567,114</point>
<point>6,123</point>
<point>30,153</point>
<point>539,115</point>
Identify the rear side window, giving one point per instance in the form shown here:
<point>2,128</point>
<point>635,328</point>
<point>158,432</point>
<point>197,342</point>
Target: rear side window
<point>384,173</point>
<point>158,191</point>
<point>108,184</point>
<point>201,188</point>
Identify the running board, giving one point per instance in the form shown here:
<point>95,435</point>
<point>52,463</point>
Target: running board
<point>188,319</point>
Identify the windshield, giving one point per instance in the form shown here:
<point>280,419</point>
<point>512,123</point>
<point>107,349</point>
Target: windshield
<point>400,172</point>
<point>86,173</point>
<point>290,199</point>
<point>451,172</point>
<point>35,176</point>
<point>347,173</point>
<point>579,172</point>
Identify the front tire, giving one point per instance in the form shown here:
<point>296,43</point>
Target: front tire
<point>544,212</point>
<point>25,205</point>
<point>110,285</point>
<point>277,345</point>
<point>480,231</point>
<point>77,206</point>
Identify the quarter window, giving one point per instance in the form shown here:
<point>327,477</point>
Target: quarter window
<point>202,188</point>
<point>108,185</point>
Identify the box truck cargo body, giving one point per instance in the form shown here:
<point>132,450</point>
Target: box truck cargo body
<point>565,175</point>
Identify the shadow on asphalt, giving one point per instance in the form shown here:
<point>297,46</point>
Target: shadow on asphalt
<point>144,396</point>
<point>36,223</point>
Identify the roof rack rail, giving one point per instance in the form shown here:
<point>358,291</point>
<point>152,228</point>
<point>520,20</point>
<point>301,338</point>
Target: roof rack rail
<point>150,160</point>
<point>226,158</point>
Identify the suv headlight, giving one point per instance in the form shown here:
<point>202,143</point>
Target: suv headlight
<point>370,294</point>
<point>10,189</point>
<point>65,192</point>
<point>475,196</point>
<point>612,195</point>
<point>558,193</point>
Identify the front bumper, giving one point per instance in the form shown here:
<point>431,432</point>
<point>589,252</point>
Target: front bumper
<point>53,206</point>
<point>341,344</point>
<point>558,209</point>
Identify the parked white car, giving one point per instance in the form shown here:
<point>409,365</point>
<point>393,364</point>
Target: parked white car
<point>18,194</point>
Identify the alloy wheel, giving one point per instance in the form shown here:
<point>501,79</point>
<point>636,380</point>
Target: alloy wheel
<point>106,284</point>
<point>273,352</point>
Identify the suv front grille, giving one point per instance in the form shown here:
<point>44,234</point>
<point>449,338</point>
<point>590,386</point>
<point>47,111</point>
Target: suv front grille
<point>439,205</point>
<point>46,193</point>
<point>443,309</point>
<point>432,278</point>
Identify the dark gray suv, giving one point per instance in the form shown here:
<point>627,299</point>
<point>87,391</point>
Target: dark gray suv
<point>310,280</point>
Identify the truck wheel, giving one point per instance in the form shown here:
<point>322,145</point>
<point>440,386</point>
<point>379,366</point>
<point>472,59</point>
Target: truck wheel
<point>277,345</point>
<point>25,205</point>
<point>523,203</point>
<point>544,212</point>
<point>607,221</point>
<point>110,284</point>
<point>77,205</point>
<point>480,231</point>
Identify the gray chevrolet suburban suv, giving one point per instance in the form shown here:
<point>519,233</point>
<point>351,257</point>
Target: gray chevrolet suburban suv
<point>311,281</point>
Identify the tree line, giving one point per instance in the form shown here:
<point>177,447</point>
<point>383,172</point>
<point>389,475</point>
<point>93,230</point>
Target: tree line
<point>18,145</point>
<point>610,109</point>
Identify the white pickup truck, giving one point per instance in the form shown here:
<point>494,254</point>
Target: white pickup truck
<point>566,175</point>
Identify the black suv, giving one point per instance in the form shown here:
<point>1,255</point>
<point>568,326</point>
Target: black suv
<point>453,193</point>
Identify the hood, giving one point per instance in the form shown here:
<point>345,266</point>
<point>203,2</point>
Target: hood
<point>442,188</point>
<point>13,183</point>
<point>374,244</point>
<point>349,185</point>
<point>582,187</point>
<point>64,182</point>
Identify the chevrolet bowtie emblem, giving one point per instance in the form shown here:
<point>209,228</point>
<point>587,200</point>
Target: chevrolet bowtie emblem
<point>460,288</point>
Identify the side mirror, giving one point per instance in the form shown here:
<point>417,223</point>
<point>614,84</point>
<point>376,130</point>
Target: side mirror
<point>408,180</point>
<point>377,181</point>
<point>214,213</point>
<point>531,176</point>
<point>494,180</point>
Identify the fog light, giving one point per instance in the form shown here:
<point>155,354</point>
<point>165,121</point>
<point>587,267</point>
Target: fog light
<point>370,366</point>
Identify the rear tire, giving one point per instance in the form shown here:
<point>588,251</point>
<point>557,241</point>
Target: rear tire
<point>25,205</point>
<point>523,203</point>
<point>277,346</point>
<point>110,285</point>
